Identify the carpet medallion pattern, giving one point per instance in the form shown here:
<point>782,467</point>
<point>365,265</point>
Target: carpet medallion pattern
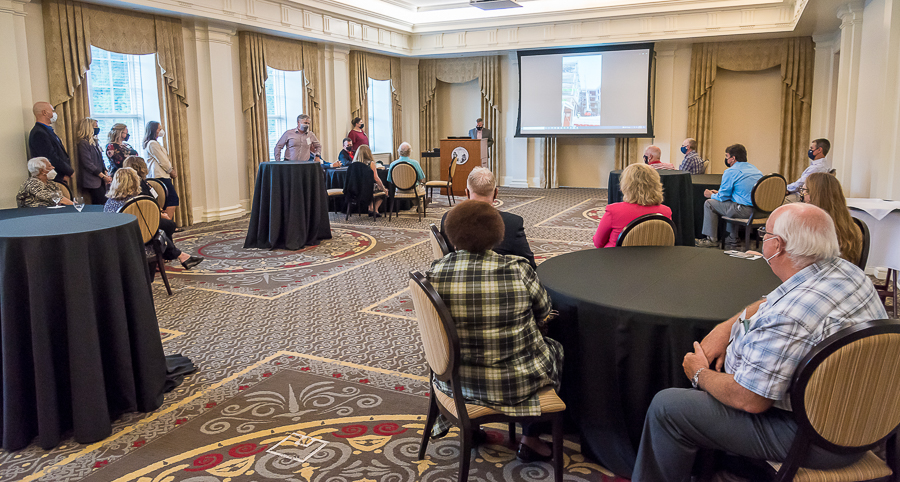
<point>585,215</point>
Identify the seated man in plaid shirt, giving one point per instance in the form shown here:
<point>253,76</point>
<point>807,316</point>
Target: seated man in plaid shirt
<point>745,410</point>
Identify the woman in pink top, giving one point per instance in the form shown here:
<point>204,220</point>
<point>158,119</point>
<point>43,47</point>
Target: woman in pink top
<point>642,191</point>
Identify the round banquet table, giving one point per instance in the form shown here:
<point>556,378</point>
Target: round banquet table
<point>334,179</point>
<point>78,330</point>
<point>627,317</point>
<point>290,206</point>
<point>676,195</point>
<point>700,183</point>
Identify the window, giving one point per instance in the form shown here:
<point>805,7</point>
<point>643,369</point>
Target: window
<point>284,102</point>
<point>122,89</point>
<point>381,123</point>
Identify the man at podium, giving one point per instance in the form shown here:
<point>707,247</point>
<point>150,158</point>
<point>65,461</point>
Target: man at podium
<point>482,132</point>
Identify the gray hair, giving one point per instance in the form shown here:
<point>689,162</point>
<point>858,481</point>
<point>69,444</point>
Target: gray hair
<point>404,150</point>
<point>301,117</point>
<point>481,181</point>
<point>808,232</point>
<point>35,164</point>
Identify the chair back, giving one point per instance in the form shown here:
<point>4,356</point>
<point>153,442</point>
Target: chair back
<point>648,230</point>
<point>161,192</point>
<point>404,176</point>
<point>359,184</point>
<point>146,211</point>
<point>64,190</point>
<point>768,194</point>
<point>866,239</point>
<point>453,166</point>
<point>706,166</point>
<point>436,326</point>
<point>845,393</point>
<point>439,247</point>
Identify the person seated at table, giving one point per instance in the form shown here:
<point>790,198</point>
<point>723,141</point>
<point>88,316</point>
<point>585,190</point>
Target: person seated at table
<point>481,185</point>
<point>504,358</point>
<point>346,155</point>
<point>745,409</point>
<point>126,184</point>
<point>39,189</point>
<point>732,199</point>
<point>824,190</point>
<point>652,156</point>
<point>642,192</point>
<point>692,162</point>
<point>818,149</point>
<point>140,167</point>
<point>364,155</point>
<point>405,150</point>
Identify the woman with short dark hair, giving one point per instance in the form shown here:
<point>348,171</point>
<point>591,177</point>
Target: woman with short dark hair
<point>495,302</point>
<point>356,135</point>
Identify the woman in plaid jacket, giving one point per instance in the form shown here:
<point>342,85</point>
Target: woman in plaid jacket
<point>495,301</point>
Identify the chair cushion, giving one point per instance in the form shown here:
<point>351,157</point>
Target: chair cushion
<point>437,183</point>
<point>867,468</point>
<point>550,403</point>
<point>335,192</point>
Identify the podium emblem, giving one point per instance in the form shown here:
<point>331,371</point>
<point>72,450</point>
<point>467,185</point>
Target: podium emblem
<point>459,155</point>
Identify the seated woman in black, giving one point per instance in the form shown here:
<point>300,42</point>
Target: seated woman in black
<point>140,167</point>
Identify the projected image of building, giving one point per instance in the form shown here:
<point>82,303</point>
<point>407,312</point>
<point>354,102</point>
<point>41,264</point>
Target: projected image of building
<point>581,91</point>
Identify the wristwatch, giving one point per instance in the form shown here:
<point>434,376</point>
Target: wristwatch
<point>695,382</point>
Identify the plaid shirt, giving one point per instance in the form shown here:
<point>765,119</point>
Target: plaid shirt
<point>494,301</point>
<point>692,163</point>
<point>813,304</point>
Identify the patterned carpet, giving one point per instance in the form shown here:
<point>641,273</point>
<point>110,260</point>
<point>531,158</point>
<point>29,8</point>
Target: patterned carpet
<point>341,303</point>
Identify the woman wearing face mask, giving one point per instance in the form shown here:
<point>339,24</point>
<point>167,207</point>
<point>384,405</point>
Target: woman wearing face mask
<point>118,149</point>
<point>159,165</point>
<point>39,189</point>
<point>357,137</point>
<point>92,176</point>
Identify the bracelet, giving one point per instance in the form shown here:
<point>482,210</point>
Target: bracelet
<point>695,382</point>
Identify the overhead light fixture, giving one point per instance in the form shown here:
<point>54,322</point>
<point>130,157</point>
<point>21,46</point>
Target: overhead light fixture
<point>493,4</point>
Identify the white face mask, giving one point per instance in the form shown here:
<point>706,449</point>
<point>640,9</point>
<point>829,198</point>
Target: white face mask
<point>53,118</point>
<point>52,174</point>
<point>770,257</point>
<point>162,133</point>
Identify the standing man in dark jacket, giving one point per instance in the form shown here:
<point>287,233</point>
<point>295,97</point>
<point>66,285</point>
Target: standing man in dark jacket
<point>43,142</point>
<point>481,186</point>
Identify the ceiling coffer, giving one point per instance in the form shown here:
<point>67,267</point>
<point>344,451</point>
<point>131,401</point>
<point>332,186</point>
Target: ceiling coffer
<point>493,4</point>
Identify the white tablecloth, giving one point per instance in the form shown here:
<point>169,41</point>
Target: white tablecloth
<point>877,208</point>
<point>884,248</point>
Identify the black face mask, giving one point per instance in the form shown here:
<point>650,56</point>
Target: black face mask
<point>96,130</point>
<point>127,136</point>
<point>726,163</point>
<point>348,148</point>
<point>479,128</point>
<point>361,125</point>
<point>646,160</point>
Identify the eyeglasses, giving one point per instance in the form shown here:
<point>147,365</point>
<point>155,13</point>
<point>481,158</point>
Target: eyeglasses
<point>803,190</point>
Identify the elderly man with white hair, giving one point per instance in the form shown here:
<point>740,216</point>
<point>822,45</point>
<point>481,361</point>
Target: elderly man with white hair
<point>745,408</point>
<point>404,151</point>
<point>38,190</point>
<point>653,155</point>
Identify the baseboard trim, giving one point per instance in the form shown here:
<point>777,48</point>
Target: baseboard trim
<point>512,182</point>
<point>224,214</point>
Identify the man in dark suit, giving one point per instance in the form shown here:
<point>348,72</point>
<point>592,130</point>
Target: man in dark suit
<point>481,186</point>
<point>43,142</point>
<point>482,132</point>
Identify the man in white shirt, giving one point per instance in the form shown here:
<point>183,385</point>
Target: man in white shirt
<point>818,149</point>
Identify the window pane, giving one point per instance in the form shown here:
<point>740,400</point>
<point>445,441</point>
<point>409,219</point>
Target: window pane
<point>285,91</point>
<point>381,128</point>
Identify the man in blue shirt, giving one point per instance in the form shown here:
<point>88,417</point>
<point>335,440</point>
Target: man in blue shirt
<point>733,198</point>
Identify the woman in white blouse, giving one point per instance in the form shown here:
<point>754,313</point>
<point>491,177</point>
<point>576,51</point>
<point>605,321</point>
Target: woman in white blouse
<point>159,166</point>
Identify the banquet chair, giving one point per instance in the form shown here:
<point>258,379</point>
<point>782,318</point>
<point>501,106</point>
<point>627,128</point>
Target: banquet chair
<point>706,166</point>
<point>404,177</point>
<point>439,247</point>
<point>866,240</point>
<point>358,188</point>
<point>448,184</point>
<point>442,353</point>
<point>845,396</point>
<point>64,190</point>
<point>767,196</point>
<point>161,193</point>
<point>145,209</point>
<point>648,230</point>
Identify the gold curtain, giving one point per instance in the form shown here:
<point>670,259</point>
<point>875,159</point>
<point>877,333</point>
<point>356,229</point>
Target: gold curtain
<point>549,179</point>
<point>796,58</point>
<point>258,51</point>
<point>67,41</point>
<point>365,66</point>
<point>485,69</point>
<point>627,151</point>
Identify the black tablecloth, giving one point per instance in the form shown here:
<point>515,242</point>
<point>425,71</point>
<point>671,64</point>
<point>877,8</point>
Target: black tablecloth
<point>627,317</point>
<point>21,212</point>
<point>334,179</point>
<point>700,183</point>
<point>676,195</point>
<point>78,331</point>
<point>290,206</point>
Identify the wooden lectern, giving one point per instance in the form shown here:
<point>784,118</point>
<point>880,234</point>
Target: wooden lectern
<point>468,154</point>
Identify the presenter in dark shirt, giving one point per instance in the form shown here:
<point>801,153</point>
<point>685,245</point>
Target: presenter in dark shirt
<point>481,186</point>
<point>43,142</point>
<point>482,132</point>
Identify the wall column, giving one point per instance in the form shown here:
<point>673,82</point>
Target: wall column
<point>409,102</point>
<point>664,105</point>
<point>16,118</point>
<point>513,161</point>
<point>335,103</point>
<point>848,87</point>
<point>218,115</point>
<point>824,85</point>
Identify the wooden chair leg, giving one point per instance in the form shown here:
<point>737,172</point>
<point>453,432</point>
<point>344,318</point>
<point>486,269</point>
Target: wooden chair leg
<point>449,193</point>
<point>347,215</point>
<point>162,267</point>
<point>465,453</point>
<point>429,422</point>
<point>558,448</point>
<point>512,433</point>
<point>390,208</point>
<point>748,230</point>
